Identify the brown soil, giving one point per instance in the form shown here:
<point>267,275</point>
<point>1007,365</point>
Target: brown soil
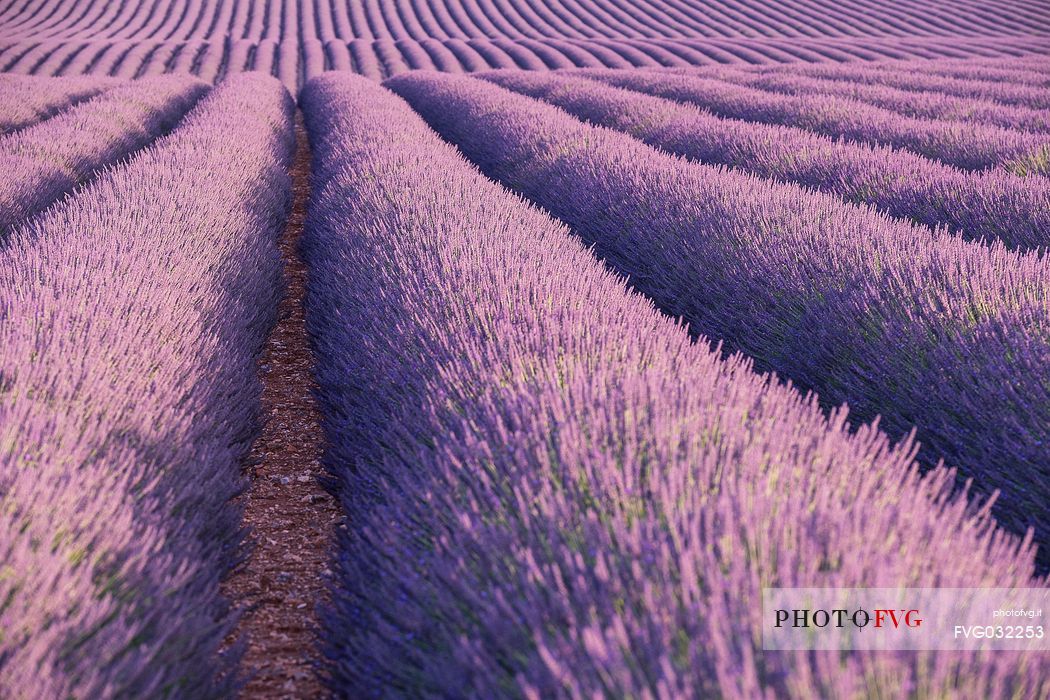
<point>290,516</point>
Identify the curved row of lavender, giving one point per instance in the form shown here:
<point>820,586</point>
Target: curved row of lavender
<point>978,205</point>
<point>298,39</point>
<point>200,20</point>
<point>1005,92</point>
<point>25,100</point>
<point>964,145</point>
<point>922,105</point>
<point>1032,71</point>
<point>550,490</point>
<point>1027,70</point>
<point>46,161</point>
<point>292,61</point>
<point>130,318</point>
<point>920,327</point>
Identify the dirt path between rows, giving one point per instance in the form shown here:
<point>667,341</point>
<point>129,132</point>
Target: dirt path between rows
<point>290,516</point>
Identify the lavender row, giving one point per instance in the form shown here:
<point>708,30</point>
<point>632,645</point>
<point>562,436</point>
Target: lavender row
<point>294,59</point>
<point>922,105</point>
<point>25,100</point>
<point>48,160</point>
<point>920,327</point>
<point>1032,96</point>
<point>1029,70</point>
<point>992,205</point>
<point>966,146</point>
<point>1024,70</point>
<point>549,489</point>
<point>130,317</point>
<point>774,27</point>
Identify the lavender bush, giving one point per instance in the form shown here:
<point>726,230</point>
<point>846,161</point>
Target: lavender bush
<point>130,317</point>
<point>549,490</point>
<point>48,160</point>
<point>992,205</point>
<point>921,327</point>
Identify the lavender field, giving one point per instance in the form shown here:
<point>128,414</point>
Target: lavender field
<point>516,348</point>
